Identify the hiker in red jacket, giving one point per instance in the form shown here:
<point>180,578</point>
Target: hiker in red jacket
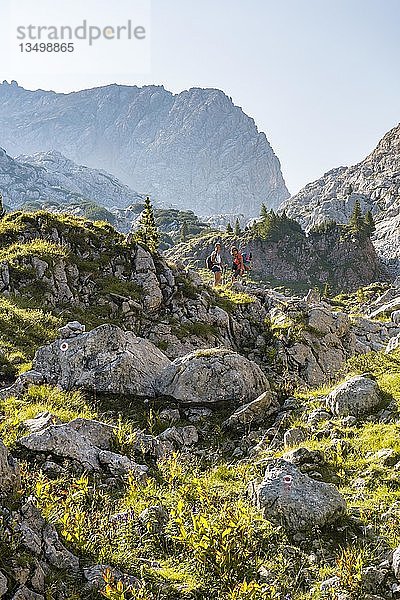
<point>237,265</point>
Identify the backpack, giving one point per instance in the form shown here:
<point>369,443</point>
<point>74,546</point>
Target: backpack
<point>247,258</point>
<point>209,262</point>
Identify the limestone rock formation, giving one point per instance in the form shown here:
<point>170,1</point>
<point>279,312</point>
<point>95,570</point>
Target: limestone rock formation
<point>85,442</point>
<point>218,162</point>
<point>292,256</point>
<point>357,396</point>
<point>374,181</point>
<point>51,177</point>
<point>41,539</point>
<point>317,340</point>
<point>300,503</point>
<point>254,412</point>
<point>180,436</point>
<point>105,359</point>
<point>212,376</point>
<point>10,479</point>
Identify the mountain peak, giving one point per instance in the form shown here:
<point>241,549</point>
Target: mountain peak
<point>194,149</point>
<point>375,182</point>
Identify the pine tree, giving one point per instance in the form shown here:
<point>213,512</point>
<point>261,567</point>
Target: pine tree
<point>229,228</point>
<point>369,222</point>
<point>2,211</point>
<point>356,221</point>
<point>184,231</point>
<point>237,231</point>
<point>263,211</point>
<point>147,233</point>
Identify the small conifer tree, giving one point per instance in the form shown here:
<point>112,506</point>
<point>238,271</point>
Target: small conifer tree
<point>369,222</point>
<point>147,232</point>
<point>237,231</point>
<point>356,221</point>
<point>184,231</point>
<point>263,211</point>
<point>229,228</point>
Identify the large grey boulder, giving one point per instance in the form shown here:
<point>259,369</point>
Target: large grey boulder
<point>106,359</point>
<point>10,479</point>
<point>357,396</point>
<point>87,443</point>
<point>212,376</point>
<point>63,441</point>
<point>101,435</point>
<point>300,503</point>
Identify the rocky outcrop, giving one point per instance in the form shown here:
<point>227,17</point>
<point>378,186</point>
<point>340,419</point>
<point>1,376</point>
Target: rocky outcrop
<point>255,412</point>
<point>212,376</point>
<point>180,436</point>
<point>35,550</point>
<point>218,161</point>
<point>106,359</point>
<point>39,537</point>
<point>86,444</point>
<point>357,396</point>
<point>52,177</point>
<point>10,479</point>
<point>344,263</point>
<point>374,182</point>
<point>289,497</point>
<point>316,340</point>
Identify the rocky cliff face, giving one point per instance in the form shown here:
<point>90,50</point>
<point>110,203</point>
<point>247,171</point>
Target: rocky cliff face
<point>194,150</point>
<point>50,176</point>
<point>330,257</point>
<point>375,182</point>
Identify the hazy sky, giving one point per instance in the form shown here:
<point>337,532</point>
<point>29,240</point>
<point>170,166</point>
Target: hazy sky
<point>320,77</point>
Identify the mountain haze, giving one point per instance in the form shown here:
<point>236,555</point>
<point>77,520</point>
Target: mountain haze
<point>50,176</point>
<point>194,150</point>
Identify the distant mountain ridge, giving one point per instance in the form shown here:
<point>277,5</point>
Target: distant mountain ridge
<point>374,181</point>
<point>194,150</point>
<point>50,176</point>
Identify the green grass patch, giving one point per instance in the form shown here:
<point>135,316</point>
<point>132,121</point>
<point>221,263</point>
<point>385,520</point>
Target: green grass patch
<point>37,247</point>
<point>229,298</point>
<point>22,331</point>
<point>65,405</point>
